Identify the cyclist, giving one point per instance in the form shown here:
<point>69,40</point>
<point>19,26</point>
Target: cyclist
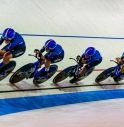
<point>120,69</point>
<point>15,46</point>
<point>54,54</point>
<point>91,58</point>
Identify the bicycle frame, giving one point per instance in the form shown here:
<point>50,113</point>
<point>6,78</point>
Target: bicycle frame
<point>36,65</point>
<point>76,70</point>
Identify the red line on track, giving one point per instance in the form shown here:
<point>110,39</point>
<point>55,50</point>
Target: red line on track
<point>94,70</point>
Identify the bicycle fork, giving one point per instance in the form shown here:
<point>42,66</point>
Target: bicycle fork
<point>76,71</point>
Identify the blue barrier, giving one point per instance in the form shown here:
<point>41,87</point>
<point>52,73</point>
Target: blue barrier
<point>13,105</point>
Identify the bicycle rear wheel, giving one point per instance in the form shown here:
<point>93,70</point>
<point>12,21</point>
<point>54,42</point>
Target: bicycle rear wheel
<point>63,74</point>
<point>52,71</point>
<point>19,75</point>
<point>87,73</point>
<point>7,69</point>
<point>104,75</point>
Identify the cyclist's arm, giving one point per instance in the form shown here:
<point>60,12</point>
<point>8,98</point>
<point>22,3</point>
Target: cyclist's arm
<point>50,55</point>
<point>118,59</point>
<point>42,50</point>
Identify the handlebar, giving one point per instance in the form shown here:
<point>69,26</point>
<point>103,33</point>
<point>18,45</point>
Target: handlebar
<point>31,55</point>
<point>114,61</point>
<point>77,61</point>
<point>39,58</point>
<point>74,60</point>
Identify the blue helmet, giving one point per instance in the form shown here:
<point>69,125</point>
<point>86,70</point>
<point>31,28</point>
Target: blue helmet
<point>90,51</point>
<point>8,34</point>
<point>50,44</point>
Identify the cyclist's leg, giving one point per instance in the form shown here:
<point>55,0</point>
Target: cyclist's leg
<point>122,68</point>
<point>17,52</point>
<point>48,62</point>
<point>117,78</point>
<point>3,54</point>
<point>82,72</point>
<point>4,49</point>
<point>54,59</point>
<point>13,54</point>
<point>90,65</point>
<point>76,73</point>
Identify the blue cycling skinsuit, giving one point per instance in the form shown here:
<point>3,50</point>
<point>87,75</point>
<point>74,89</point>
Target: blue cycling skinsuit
<point>55,55</point>
<point>94,60</point>
<point>118,75</point>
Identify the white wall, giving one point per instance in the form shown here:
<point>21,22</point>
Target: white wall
<point>68,17</point>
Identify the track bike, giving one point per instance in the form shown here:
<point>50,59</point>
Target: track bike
<point>7,69</point>
<point>72,71</point>
<point>113,72</point>
<point>31,70</point>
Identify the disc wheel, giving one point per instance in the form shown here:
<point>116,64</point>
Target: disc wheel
<point>7,69</point>
<point>52,71</point>
<point>63,74</point>
<point>19,75</point>
<point>104,75</point>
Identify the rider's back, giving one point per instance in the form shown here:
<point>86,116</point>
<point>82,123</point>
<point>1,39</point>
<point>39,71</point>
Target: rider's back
<point>18,40</point>
<point>57,52</point>
<point>95,57</point>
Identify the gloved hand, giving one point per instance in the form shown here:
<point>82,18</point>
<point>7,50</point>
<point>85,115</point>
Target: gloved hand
<point>38,54</point>
<point>78,57</point>
<point>83,61</point>
<point>36,51</point>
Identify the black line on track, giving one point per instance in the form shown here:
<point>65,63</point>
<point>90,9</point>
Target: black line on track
<point>56,88</point>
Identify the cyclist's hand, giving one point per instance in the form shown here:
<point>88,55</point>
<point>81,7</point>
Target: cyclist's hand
<point>118,59</point>
<point>78,57</point>
<point>36,51</point>
<point>83,61</point>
